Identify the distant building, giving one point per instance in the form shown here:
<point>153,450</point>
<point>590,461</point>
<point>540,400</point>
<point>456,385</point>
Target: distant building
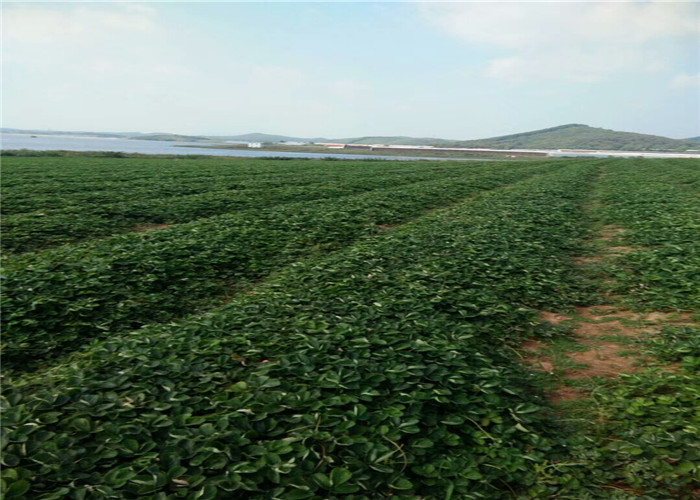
<point>255,144</point>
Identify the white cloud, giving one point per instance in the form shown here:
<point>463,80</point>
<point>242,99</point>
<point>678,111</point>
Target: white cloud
<point>528,25</point>
<point>276,76</point>
<point>685,81</point>
<point>574,64</point>
<point>349,88</point>
<point>78,37</point>
<point>86,43</point>
<point>80,24</point>
<point>583,42</point>
<point>119,52</point>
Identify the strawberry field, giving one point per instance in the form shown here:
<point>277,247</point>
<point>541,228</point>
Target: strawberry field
<point>300,329</point>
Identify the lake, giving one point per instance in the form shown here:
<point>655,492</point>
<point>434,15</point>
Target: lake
<point>74,143</point>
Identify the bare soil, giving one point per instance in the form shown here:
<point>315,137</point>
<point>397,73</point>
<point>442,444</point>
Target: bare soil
<point>566,393</point>
<point>604,359</point>
<point>621,250</point>
<point>595,328</point>
<point>584,260</point>
<point>610,232</point>
<point>141,228</point>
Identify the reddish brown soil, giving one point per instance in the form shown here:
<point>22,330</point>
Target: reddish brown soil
<point>150,227</point>
<point>554,318</point>
<point>585,260</point>
<point>621,250</point>
<point>610,232</point>
<point>604,357</point>
<point>592,330</point>
<point>612,314</point>
<point>603,360</point>
<point>565,393</point>
<point>533,345</point>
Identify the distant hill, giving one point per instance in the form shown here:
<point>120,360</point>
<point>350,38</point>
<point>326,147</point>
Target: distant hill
<point>571,136</point>
<point>577,136</point>
<point>400,139</point>
<point>155,136</point>
<point>169,137</point>
<point>259,137</point>
<point>121,135</point>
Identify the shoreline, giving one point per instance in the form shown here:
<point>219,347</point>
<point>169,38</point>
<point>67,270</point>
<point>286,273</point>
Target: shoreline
<point>452,154</point>
<point>428,154</point>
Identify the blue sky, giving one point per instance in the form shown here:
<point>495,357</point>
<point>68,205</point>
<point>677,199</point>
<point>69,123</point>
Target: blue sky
<point>452,70</point>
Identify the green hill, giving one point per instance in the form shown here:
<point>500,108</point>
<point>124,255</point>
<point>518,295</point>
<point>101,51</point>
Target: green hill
<point>116,135</point>
<point>409,141</point>
<point>571,136</point>
<point>169,137</point>
<point>577,136</point>
<point>258,137</point>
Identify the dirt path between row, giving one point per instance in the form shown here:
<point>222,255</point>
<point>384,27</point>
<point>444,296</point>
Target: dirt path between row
<point>142,228</point>
<point>605,338</point>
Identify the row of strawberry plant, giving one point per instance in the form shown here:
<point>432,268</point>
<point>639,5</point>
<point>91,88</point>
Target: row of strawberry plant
<point>156,178</point>
<point>639,435</point>
<point>65,177</point>
<point>65,184</point>
<point>41,230</point>
<point>640,438</point>
<point>58,299</point>
<point>69,224</point>
<point>660,213</point>
<point>376,372</point>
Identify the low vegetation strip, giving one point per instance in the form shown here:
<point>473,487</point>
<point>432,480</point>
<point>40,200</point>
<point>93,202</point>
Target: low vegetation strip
<point>36,177</point>
<point>377,372</point>
<point>627,382</point>
<point>68,217</point>
<point>58,299</point>
<point>40,230</point>
<point>654,450</point>
<point>44,183</point>
<point>661,217</point>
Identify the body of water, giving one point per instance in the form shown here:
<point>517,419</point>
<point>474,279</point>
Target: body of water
<point>53,142</point>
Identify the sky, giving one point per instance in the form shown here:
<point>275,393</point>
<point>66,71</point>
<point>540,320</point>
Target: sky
<point>457,70</point>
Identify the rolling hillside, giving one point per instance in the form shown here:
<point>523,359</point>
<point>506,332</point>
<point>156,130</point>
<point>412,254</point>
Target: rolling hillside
<point>577,136</point>
<point>409,141</point>
<point>169,137</point>
<point>259,137</point>
<point>571,136</point>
